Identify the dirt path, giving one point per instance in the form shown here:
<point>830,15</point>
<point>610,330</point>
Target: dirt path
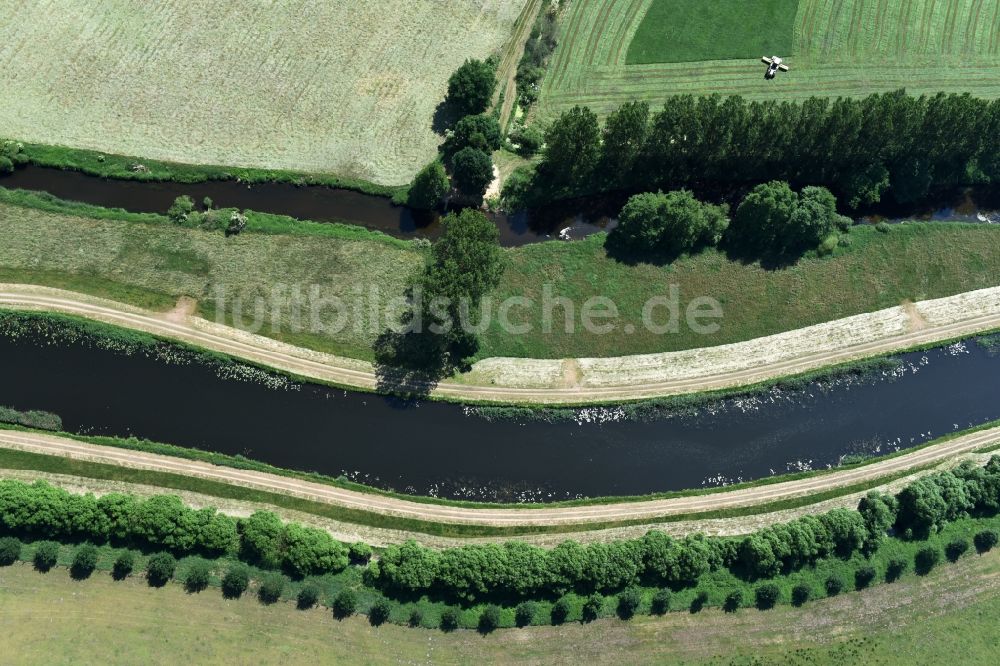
<point>517,516</point>
<point>544,381</point>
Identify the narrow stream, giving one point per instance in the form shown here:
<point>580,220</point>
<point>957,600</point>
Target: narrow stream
<point>449,451</point>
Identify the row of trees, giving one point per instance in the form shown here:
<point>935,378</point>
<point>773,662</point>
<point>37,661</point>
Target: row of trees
<point>772,221</point>
<point>517,570</point>
<point>466,150</point>
<point>514,570</point>
<point>857,147</point>
<point>163,521</point>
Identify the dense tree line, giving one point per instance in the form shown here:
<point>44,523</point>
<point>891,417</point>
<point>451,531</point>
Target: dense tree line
<point>860,148</point>
<point>514,570</point>
<point>517,570</point>
<point>164,522</point>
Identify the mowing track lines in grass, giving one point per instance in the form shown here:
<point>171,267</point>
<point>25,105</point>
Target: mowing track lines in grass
<point>925,24</point>
<point>833,20</point>
<point>567,47</point>
<point>632,19</point>
<point>879,32</point>
<point>904,22</point>
<point>597,32</point>
<point>857,13</point>
<point>995,31</point>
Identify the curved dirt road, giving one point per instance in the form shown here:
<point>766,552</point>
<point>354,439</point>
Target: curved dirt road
<point>517,516</point>
<point>184,327</point>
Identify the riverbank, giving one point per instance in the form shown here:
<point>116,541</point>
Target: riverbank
<point>541,382</point>
<point>576,517</point>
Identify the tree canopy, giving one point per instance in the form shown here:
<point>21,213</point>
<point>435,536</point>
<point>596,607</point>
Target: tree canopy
<point>470,87</point>
<point>429,187</point>
<point>472,170</point>
<point>669,224</point>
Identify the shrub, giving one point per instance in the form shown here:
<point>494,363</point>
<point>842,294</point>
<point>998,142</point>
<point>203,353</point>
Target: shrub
<point>894,569</point>
<point>123,565</point>
<point>733,601</point>
<point>699,602</point>
<point>661,602</point>
<point>235,581</point>
<point>669,224</point>
<point>883,228</point>
<point>416,617</point>
<point>985,541</point>
<point>628,603</point>
<point>592,607</point>
<point>766,596</point>
<point>198,575</point>
<point>829,244</point>
<point>160,569</point>
<point>449,620</point>
<point>524,614</point>
<point>271,588</point>
<point>378,614</point>
<point>863,577</point>
<point>181,208</point>
<point>489,619</point>
<point>308,596</point>
<point>10,550</point>
<point>955,549</point>
<point>800,595</point>
<point>46,555</point>
<point>428,187</point>
<point>529,140</point>
<point>560,610</point>
<point>926,559</point>
<point>344,604</point>
<point>84,561</point>
<point>359,552</point>
<point>834,585</point>
<point>207,203</point>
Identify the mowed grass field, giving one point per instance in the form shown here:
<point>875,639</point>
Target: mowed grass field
<point>949,615</point>
<point>339,87</point>
<point>249,280</point>
<point>615,51</point>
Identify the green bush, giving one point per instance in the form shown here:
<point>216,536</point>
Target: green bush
<point>800,595</point>
<point>416,617</point>
<point>308,596</point>
<point>344,604</point>
<point>985,541</point>
<point>560,611</point>
<point>359,552</point>
<point>10,550</point>
<point>834,585</point>
<point>883,227</point>
<point>449,620</point>
<point>699,601</point>
<point>235,581</point>
<point>271,587</point>
<point>628,603</point>
<point>863,577</point>
<point>955,549</point>
<point>524,614</point>
<point>123,566</point>
<point>84,561</point>
<point>182,207</point>
<point>660,603</point>
<point>489,619</point>
<point>529,140</point>
<point>766,596</point>
<point>378,614</point>
<point>733,602</point>
<point>199,574</point>
<point>895,568</point>
<point>592,607</point>
<point>926,559</point>
<point>160,569</point>
<point>46,555</point>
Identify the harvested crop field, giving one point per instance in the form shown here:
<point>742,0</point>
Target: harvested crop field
<point>337,87</point>
<point>609,51</point>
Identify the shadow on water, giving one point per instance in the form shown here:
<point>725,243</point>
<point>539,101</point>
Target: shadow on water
<point>430,448</point>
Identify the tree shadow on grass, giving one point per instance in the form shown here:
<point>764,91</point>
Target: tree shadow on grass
<point>445,117</point>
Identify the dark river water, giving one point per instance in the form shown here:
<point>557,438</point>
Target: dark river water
<point>449,451</point>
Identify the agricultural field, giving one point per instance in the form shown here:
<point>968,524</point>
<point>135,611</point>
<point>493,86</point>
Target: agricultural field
<point>614,51</point>
<point>333,87</point>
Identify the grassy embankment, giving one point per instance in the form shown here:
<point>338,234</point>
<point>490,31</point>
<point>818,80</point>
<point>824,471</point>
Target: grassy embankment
<point>950,614</point>
<point>344,88</point>
<point>144,260</point>
<point>614,51</point>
